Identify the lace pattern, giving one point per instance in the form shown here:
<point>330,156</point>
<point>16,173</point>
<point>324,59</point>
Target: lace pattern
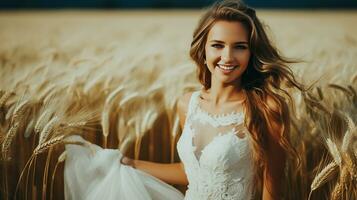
<point>215,120</point>
<point>224,168</point>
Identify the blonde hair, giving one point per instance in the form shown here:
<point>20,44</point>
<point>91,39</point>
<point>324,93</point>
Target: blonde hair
<point>266,72</point>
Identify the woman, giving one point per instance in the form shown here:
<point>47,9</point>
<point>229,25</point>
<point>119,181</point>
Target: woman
<point>234,129</point>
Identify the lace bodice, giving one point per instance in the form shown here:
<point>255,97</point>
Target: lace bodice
<point>216,153</point>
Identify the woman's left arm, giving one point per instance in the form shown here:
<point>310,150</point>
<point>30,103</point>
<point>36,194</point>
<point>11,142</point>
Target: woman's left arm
<point>274,170</point>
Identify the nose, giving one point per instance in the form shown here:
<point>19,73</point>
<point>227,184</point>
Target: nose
<point>227,55</point>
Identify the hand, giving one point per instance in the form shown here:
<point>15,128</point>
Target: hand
<point>127,161</point>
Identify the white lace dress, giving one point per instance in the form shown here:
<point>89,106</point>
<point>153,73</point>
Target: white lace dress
<point>214,149</point>
<point>216,153</point>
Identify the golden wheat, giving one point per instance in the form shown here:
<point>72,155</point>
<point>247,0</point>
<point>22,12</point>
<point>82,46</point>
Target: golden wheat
<point>332,147</point>
<point>347,138</point>
<point>134,89</point>
<point>19,110</point>
<point>29,128</point>
<point>5,150</point>
<point>44,117</point>
<point>337,192</point>
<point>325,174</point>
<point>48,129</point>
<point>5,97</point>
<point>46,145</point>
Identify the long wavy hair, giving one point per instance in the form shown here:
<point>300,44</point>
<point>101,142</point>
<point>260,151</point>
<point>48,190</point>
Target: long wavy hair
<point>265,76</point>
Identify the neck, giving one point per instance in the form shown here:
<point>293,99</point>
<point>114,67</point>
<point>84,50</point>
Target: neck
<point>220,93</point>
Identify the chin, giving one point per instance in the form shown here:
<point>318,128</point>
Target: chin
<point>227,80</point>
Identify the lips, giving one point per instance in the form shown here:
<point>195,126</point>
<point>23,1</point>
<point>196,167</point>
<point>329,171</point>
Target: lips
<point>227,67</point>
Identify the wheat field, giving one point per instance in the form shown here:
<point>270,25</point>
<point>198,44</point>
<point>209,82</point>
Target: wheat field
<point>114,77</point>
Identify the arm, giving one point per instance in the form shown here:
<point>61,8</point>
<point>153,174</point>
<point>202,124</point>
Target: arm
<point>273,173</point>
<point>171,173</point>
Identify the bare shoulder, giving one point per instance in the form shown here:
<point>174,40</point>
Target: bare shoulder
<point>182,107</point>
<point>183,101</point>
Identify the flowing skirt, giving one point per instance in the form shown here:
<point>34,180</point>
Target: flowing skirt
<point>94,173</point>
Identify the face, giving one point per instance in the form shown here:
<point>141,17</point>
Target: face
<point>227,51</point>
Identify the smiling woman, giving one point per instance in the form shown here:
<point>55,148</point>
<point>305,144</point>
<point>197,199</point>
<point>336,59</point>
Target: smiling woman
<point>227,51</point>
<point>244,64</point>
<point>235,129</point>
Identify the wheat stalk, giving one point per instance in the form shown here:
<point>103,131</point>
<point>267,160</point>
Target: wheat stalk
<point>334,151</point>
<point>105,122</point>
<point>148,120</point>
<point>337,192</point>
<point>4,98</point>
<point>347,138</point>
<point>113,94</point>
<point>48,129</point>
<point>42,120</point>
<point>10,112</point>
<point>127,98</point>
<point>176,126</point>
<point>320,93</point>
<point>76,124</point>
<point>60,159</point>
<point>325,174</point>
<point>338,87</point>
<point>29,128</point>
<point>106,113</point>
<point>54,141</point>
<point>8,140</point>
<point>350,165</point>
<point>19,110</point>
<point>46,145</point>
<point>341,186</point>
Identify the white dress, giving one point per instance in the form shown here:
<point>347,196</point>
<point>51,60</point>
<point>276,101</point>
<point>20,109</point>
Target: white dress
<point>215,151</point>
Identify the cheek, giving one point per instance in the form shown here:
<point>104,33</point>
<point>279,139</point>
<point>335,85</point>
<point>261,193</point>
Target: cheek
<point>244,59</point>
<point>244,62</point>
<point>211,58</point>
<point>211,54</point>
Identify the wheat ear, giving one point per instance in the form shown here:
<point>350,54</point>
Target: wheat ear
<point>7,141</point>
<point>334,151</point>
<point>41,120</point>
<point>19,111</point>
<point>46,145</point>
<point>54,141</point>
<point>4,98</point>
<point>48,129</point>
<point>337,192</point>
<point>325,174</point>
<point>347,138</point>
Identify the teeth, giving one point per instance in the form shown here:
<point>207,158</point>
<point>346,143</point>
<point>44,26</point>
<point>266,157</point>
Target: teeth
<point>227,67</point>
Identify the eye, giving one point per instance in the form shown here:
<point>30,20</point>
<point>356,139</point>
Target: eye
<point>241,47</point>
<point>217,46</point>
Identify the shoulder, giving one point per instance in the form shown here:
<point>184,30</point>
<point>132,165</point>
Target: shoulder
<point>182,106</point>
<point>183,101</point>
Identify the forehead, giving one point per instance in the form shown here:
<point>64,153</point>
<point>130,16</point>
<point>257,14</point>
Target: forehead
<point>228,32</point>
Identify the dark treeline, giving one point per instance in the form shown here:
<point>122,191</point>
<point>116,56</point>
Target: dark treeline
<point>45,4</point>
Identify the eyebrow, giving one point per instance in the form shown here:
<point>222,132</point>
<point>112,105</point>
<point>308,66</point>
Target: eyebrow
<point>240,42</point>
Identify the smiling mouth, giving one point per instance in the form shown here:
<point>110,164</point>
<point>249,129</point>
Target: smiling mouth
<point>227,67</point>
